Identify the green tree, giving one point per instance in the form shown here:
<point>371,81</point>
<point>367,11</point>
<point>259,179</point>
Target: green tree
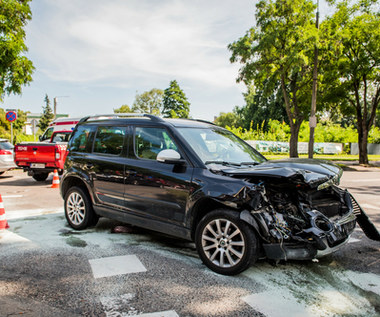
<point>123,109</point>
<point>15,69</point>
<point>353,71</point>
<point>175,104</point>
<point>149,102</point>
<point>279,49</point>
<point>5,125</point>
<point>230,119</point>
<point>260,108</point>
<point>47,115</point>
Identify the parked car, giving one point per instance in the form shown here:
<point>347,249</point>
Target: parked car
<point>6,156</point>
<point>196,181</point>
<point>41,158</point>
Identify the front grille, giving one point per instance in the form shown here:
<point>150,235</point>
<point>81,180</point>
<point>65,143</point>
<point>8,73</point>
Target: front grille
<point>355,206</point>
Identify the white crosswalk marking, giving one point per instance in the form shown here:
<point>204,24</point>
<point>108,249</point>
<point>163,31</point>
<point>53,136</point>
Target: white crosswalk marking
<point>116,265</point>
<point>121,306</point>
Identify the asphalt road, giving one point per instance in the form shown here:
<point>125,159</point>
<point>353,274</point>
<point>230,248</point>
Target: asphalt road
<point>47,269</point>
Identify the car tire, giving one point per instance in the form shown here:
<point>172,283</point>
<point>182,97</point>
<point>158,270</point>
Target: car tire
<point>78,209</point>
<point>226,244</point>
<point>40,177</point>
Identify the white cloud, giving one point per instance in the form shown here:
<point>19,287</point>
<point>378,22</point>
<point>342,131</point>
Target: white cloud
<point>128,41</point>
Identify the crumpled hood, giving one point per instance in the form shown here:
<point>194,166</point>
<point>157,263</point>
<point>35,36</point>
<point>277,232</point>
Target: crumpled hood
<point>309,171</point>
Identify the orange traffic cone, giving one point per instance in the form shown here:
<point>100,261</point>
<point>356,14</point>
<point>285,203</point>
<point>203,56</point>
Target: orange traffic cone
<point>55,180</point>
<point>3,220</point>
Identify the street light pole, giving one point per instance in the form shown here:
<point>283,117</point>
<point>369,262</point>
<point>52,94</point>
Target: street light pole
<point>56,103</point>
<point>313,118</point>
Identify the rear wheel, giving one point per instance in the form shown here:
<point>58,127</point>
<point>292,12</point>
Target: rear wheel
<point>40,177</point>
<point>225,243</point>
<point>78,209</point>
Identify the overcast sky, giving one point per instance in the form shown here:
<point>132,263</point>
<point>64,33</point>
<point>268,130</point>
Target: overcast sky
<point>100,53</point>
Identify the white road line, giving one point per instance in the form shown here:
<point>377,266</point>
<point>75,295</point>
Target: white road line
<point>299,292</point>
<point>116,265</point>
<point>167,313</point>
<point>353,240</point>
<point>121,306</point>
<point>17,214</point>
<point>363,180</point>
<point>285,302</point>
<point>369,206</point>
<point>12,196</point>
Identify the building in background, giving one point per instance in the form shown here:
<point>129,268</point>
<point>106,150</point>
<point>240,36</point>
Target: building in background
<point>32,120</point>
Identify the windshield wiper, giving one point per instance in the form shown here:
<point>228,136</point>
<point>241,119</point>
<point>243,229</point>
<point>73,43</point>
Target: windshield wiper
<point>222,163</point>
<point>249,163</point>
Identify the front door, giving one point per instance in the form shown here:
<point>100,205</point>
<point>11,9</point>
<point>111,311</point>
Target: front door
<point>153,189</point>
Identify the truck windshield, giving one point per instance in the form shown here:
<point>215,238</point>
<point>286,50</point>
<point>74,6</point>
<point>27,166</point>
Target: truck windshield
<point>219,146</point>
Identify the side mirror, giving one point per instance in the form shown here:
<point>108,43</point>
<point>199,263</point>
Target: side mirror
<point>170,157</point>
<point>40,137</point>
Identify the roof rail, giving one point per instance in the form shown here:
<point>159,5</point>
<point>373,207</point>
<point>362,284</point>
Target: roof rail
<point>122,115</point>
<point>204,121</point>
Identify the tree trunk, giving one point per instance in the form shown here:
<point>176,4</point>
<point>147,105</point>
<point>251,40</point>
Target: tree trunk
<point>294,132</point>
<point>363,141</point>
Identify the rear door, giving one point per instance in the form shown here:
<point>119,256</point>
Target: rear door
<point>98,153</point>
<point>153,189</point>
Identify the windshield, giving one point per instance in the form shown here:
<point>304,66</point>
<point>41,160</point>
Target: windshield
<point>218,146</point>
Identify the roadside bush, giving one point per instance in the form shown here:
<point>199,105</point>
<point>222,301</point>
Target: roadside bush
<point>325,132</point>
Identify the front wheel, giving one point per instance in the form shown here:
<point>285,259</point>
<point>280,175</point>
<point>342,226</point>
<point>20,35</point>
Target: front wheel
<point>225,243</point>
<point>78,209</point>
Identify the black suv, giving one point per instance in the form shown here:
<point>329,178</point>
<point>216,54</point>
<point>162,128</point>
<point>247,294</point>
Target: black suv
<point>193,180</point>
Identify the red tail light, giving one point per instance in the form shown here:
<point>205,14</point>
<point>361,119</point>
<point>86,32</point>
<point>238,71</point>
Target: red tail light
<point>5,152</point>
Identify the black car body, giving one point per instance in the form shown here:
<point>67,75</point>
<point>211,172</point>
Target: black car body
<point>196,181</point>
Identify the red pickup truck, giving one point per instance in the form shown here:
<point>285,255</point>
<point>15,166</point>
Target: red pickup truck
<point>41,158</point>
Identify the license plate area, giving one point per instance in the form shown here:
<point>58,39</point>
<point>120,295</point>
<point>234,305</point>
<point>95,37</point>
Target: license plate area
<point>37,165</point>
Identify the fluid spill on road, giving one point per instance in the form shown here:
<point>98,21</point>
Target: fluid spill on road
<point>76,242</point>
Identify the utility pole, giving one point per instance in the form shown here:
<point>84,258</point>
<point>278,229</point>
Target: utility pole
<point>313,118</point>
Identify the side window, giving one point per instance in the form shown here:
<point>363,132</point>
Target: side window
<point>81,141</point>
<point>149,142</point>
<point>61,136</point>
<point>109,140</point>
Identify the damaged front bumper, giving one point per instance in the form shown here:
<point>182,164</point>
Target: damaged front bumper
<point>320,243</point>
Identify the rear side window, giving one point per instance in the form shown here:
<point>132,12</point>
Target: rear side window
<point>61,137</point>
<point>150,141</point>
<point>109,140</point>
<point>81,141</point>
<point>47,135</point>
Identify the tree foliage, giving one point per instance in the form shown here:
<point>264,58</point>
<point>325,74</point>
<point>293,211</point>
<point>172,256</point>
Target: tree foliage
<point>5,125</point>
<point>15,69</point>
<point>279,49</point>
<point>260,106</point>
<point>353,71</point>
<point>175,104</point>
<point>47,115</point>
<point>230,119</point>
<point>149,102</point>
<point>123,109</point>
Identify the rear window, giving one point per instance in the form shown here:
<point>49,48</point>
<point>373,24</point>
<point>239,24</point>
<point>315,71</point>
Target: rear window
<point>5,145</point>
<point>81,141</point>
